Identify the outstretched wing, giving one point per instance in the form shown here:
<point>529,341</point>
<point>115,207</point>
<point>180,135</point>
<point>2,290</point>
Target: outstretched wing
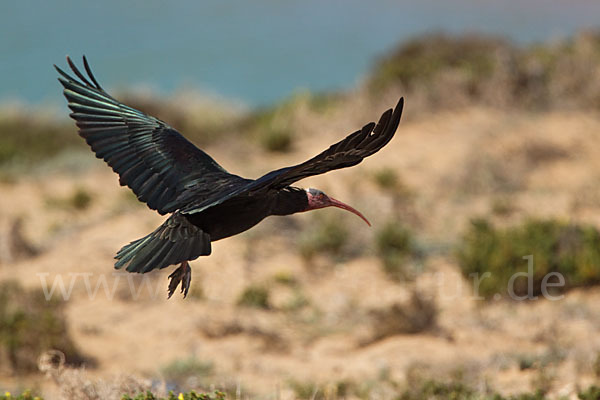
<point>345,153</point>
<point>164,169</point>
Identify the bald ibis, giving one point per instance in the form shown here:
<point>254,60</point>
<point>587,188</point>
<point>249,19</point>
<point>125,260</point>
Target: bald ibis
<point>205,202</point>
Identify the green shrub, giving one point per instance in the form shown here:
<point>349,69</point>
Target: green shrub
<point>255,296</point>
<point>26,395</point>
<point>591,393</point>
<point>503,206</point>
<point>26,138</point>
<point>433,390</point>
<point>285,278</point>
<point>273,127</point>
<point>305,390</point>
<point>396,247</point>
<point>181,372</point>
<point>596,365</point>
<point>439,390</point>
<point>276,139</point>
<point>323,102</point>
<point>342,389</point>
<point>386,178</point>
<point>80,199</point>
<point>326,235</point>
<point>31,325</point>
<point>181,396</point>
<point>493,71</point>
<point>568,249</point>
<point>420,59</point>
<point>426,390</point>
<point>296,302</point>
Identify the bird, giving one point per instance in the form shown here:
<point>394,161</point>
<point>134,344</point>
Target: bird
<point>204,202</point>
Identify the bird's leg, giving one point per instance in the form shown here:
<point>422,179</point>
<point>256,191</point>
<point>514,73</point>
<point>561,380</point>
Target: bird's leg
<point>182,274</point>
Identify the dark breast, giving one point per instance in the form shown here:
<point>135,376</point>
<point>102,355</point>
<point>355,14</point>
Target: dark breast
<point>242,213</point>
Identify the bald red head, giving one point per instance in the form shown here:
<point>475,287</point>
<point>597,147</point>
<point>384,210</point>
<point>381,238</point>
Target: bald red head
<point>317,199</point>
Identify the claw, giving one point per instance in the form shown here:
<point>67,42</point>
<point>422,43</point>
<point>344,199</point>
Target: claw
<point>182,275</point>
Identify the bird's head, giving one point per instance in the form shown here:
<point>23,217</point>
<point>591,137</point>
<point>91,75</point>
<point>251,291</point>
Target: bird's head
<point>317,199</point>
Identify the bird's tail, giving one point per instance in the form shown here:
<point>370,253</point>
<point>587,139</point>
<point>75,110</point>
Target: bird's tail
<point>175,241</point>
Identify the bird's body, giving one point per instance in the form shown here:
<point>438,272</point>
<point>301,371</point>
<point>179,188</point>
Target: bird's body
<point>242,213</point>
<point>205,202</point>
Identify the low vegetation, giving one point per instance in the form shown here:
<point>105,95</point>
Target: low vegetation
<point>396,248</point>
<point>256,296</point>
<point>285,278</point>
<point>426,389</point>
<point>80,199</point>
<point>591,393</point>
<point>26,395</point>
<point>296,302</point>
<point>30,139</point>
<point>419,60</point>
<point>327,235</point>
<point>419,314</point>
<point>386,178</point>
<point>276,139</point>
<point>15,244</point>
<point>187,372</point>
<point>180,396</point>
<point>273,128</point>
<point>503,206</point>
<point>493,71</point>
<point>31,325</point>
<point>573,251</point>
<point>434,390</point>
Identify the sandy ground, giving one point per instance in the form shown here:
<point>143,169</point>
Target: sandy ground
<point>454,165</point>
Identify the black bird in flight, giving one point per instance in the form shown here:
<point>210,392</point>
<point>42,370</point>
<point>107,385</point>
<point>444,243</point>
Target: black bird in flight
<point>205,202</point>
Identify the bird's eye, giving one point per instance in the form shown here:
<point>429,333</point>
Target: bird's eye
<point>321,196</point>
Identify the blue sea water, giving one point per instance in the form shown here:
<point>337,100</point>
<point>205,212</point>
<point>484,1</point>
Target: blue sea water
<point>256,51</point>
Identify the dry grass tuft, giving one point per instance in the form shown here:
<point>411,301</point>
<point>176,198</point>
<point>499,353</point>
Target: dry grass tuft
<point>14,246</point>
<point>270,339</point>
<point>76,384</point>
<point>417,315</point>
<point>30,324</point>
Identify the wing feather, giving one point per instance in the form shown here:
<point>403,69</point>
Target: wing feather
<point>345,153</point>
<point>162,168</point>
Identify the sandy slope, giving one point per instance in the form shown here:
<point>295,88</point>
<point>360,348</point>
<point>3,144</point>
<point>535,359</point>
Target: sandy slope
<point>456,165</point>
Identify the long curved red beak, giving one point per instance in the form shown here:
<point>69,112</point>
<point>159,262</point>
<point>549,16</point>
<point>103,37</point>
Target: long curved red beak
<point>336,203</point>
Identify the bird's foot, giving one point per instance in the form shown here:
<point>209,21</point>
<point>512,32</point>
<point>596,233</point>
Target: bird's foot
<point>182,274</point>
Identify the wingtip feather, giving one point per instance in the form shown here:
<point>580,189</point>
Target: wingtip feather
<point>400,105</point>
